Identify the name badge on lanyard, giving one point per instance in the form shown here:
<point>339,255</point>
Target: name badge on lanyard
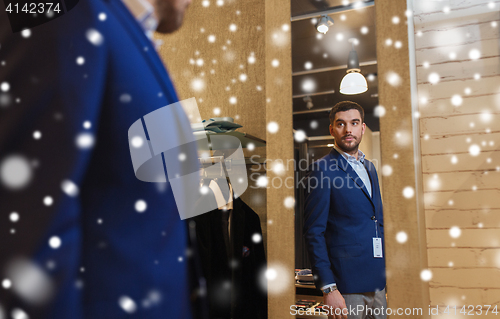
<point>377,247</point>
<point>377,243</point>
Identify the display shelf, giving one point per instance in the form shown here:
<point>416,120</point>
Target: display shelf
<point>308,292</point>
<point>297,285</point>
<point>304,315</point>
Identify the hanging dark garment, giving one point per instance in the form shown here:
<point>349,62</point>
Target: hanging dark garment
<point>197,282</point>
<point>232,277</point>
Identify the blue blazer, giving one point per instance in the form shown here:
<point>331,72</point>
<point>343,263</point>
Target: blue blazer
<point>109,251</point>
<point>339,228</point>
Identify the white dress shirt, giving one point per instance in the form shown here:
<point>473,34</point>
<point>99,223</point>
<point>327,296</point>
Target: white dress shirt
<point>143,12</point>
<point>358,166</point>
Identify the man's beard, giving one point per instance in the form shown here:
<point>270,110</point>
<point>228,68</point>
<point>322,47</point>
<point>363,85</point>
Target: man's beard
<point>348,149</point>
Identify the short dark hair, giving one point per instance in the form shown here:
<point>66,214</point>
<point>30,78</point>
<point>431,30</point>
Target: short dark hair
<point>346,106</point>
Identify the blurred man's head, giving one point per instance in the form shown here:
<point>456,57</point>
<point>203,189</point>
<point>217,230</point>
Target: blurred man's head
<point>170,14</point>
<point>347,125</point>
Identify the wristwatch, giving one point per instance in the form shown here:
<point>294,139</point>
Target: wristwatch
<point>329,289</point>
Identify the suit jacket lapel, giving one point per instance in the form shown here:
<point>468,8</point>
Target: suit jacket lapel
<point>346,167</point>
<point>371,171</point>
<point>370,168</point>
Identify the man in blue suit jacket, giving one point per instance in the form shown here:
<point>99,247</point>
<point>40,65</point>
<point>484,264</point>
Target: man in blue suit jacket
<point>344,227</point>
<point>81,236</point>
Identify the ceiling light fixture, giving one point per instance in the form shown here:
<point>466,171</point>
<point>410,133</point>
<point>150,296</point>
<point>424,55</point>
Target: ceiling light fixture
<point>324,23</point>
<point>353,82</point>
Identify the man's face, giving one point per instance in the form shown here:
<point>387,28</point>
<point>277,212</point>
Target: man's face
<point>348,130</point>
<point>170,14</point>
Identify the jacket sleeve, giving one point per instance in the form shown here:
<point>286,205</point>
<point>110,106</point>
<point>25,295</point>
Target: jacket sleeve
<point>317,207</point>
<point>44,152</point>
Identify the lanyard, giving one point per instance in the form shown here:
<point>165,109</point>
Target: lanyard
<point>376,228</point>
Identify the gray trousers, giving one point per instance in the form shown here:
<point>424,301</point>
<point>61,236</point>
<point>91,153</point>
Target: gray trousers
<point>369,305</point>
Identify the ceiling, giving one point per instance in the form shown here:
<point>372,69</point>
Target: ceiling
<point>319,61</point>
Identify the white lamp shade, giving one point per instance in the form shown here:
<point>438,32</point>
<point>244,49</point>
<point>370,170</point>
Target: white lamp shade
<point>322,28</point>
<point>353,83</point>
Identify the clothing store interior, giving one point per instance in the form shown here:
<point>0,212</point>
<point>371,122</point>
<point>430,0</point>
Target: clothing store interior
<point>267,73</point>
<point>228,106</point>
<point>225,75</point>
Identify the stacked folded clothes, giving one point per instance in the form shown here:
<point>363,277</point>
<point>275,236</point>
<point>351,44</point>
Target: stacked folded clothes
<point>304,276</point>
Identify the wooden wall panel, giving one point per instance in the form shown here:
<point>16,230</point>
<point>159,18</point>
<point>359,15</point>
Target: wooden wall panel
<point>476,99</point>
<point>210,71</point>
<point>469,278</point>
<point>404,261</point>
<point>460,181</point>
<point>440,218</point>
<point>487,66</point>
<point>462,162</point>
<point>464,258</point>
<point>471,104</point>
<point>462,189</point>
<point>427,12</point>
<point>460,124</point>
<point>434,56</point>
<point>489,86</point>
<point>460,143</point>
<point>477,238</point>
<point>278,109</point>
<point>466,199</point>
<point>466,31</point>
<point>468,296</point>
